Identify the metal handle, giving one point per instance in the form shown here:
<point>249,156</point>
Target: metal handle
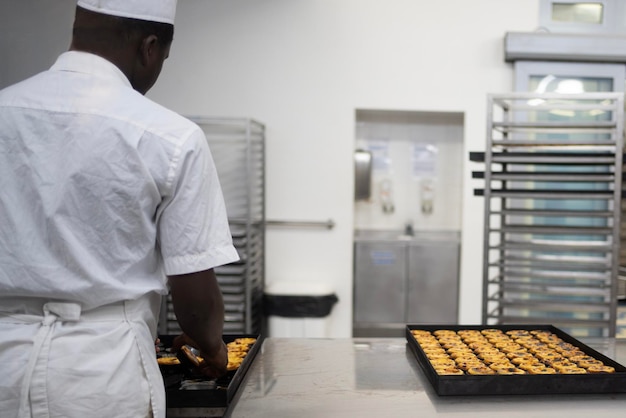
<point>329,224</point>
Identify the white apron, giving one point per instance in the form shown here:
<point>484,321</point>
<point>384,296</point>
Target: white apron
<point>60,362</point>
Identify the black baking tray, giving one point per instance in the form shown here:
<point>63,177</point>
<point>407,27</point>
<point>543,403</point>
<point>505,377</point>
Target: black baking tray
<point>225,388</point>
<point>460,385</point>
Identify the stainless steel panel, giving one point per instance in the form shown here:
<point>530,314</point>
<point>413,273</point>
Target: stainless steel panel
<point>548,45</point>
<point>380,282</point>
<point>401,279</point>
<point>433,288</point>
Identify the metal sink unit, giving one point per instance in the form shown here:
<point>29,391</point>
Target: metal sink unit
<point>400,279</point>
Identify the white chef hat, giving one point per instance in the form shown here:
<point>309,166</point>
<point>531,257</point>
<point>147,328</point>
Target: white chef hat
<point>162,11</point>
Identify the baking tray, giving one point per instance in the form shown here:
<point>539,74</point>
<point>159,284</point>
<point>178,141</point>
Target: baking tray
<point>225,387</point>
<point>519,384</point>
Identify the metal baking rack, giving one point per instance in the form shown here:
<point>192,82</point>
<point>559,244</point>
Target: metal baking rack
<point>238,150</point>
<point>552,189</point>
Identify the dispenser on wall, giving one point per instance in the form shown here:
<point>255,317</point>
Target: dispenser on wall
<point>362,175</point>
<point>386,196</point>
<point>427,195</point>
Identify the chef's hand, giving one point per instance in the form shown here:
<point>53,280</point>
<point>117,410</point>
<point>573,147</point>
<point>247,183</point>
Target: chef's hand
<point>214,363</point>
<point>181,340</point>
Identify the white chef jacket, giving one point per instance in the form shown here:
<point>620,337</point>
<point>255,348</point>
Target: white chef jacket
<point>102,194</point>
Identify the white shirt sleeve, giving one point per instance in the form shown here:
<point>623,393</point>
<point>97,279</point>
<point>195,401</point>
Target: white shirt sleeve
<point>193,229</point>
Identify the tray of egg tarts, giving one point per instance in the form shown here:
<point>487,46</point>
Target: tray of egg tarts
<point>186,389</point>
<point>511,360</point>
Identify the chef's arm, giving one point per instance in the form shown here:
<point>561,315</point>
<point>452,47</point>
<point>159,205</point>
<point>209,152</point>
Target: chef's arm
<point>199,309</point>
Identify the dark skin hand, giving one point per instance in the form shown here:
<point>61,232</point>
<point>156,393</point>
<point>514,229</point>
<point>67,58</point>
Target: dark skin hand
<point>199,309</point>
<point>211,366</point>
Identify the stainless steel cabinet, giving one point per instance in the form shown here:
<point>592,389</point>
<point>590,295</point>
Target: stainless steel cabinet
<point>400,280</point>
<point>433,291</point>
<point>381,282</point>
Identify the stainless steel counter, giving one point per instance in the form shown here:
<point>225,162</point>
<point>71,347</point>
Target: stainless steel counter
<point>380,377</point>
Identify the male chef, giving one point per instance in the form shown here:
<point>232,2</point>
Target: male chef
<point>107,202</point>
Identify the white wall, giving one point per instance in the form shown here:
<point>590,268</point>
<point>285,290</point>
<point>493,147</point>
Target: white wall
<point>302,67</point>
